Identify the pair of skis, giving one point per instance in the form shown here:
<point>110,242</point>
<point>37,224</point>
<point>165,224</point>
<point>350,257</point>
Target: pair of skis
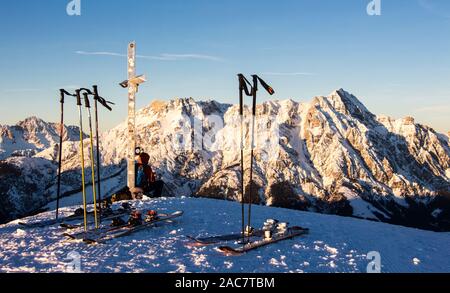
<point>111,216</point>
<point>204,241</point>
<point>108,233</point>
<point>51,222</point>
<point>256,240</point>
<point>291,233</point>
<point>74,217</point>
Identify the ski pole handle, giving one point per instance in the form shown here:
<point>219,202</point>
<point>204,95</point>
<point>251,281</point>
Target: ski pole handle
<point>104,103</point>
<point>61,94</point>
<point>78,95</point>
<point>86,90</point>
<point>267,87</point>
<point>244,85</point>
<point>86,100</point>
<point>100,99</point>
<point>64,93</point>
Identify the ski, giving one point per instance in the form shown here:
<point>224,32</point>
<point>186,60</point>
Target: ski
<point>127,230</point>
<point>74,217</point>
<point>92,233</point>
<point>290,233</point>
<point>97,233</point>
<point>46,223</point>
<point>269,225</point>
<point>204,241</point>
<point>71,226</point>
<point>105,229</point>
<point>109,216</point>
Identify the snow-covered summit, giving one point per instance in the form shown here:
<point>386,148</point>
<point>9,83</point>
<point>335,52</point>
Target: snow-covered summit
<point>348,104</point>
<point>31,136</point>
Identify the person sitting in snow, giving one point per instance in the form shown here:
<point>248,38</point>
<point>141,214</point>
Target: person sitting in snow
<point>146,182</point>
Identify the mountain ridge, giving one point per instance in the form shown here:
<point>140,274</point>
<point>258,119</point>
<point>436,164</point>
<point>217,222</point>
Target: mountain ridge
<point>334,156</point>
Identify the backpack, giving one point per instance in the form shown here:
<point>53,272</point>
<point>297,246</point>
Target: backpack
<point>141,176</point>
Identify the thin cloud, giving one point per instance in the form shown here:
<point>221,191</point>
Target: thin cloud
<point>100,53</point>
<point>161,57</point>
<point>289,73</point>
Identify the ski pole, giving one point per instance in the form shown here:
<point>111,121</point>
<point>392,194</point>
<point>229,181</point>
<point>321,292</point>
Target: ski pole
<point>105,103</point>
<point>82,159</point>
<point>243,82</point>
<point>61,134</point>
<point>252,147</point>
<point>62,93</point>
<point>99,177</point>
<point>94,192</point>
<point>241,113</point>
<point>271,91</point>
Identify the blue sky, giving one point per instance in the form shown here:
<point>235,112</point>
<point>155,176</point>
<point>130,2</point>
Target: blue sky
<point>398,63</point>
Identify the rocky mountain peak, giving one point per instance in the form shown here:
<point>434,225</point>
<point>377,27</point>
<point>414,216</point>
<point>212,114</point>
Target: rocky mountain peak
<point>33,120</point>
<point>348,104</point>
<point>34,125</point>
<point>158,107</point>
<point>31,136</point>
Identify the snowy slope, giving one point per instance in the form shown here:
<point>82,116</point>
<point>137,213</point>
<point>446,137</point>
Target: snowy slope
<point>335,244</point>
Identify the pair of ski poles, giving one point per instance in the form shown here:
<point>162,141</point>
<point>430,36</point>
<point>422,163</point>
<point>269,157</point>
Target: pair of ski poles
<point>245,87</point>
<point>105,103</point>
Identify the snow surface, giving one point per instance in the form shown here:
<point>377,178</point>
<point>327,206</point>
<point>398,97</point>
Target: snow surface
<point>361,208</point>
<point>335,244</point>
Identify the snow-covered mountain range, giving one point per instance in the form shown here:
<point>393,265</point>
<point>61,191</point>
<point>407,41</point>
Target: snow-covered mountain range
<point>31,136</point>
<point>331,155</point>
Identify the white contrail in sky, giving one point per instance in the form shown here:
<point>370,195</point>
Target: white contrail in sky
<point>161,57</point>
